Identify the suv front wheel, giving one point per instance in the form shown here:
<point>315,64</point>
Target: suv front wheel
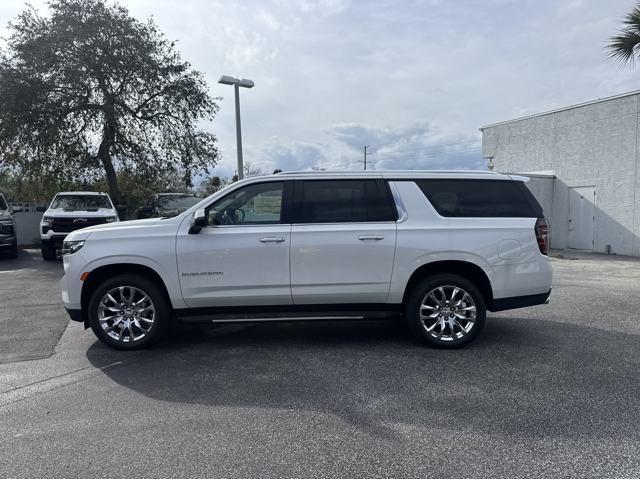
<point>48,251</point>
<point>446,311</point>
<point>128,312</point>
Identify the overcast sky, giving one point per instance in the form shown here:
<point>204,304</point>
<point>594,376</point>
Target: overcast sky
<point>414,80</point>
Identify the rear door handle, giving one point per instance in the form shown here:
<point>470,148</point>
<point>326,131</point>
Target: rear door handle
<point>272,239</point>
<point>370,237</point>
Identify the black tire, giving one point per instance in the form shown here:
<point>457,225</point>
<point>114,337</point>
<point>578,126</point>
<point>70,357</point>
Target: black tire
<point>448,338</point>
<point>48,252</point>
<point>144,285</point>
<point>12,253</point>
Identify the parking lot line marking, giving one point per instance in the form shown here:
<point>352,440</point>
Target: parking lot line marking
<point>52,383</point>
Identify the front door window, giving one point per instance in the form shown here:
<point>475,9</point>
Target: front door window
<point>258,204</point>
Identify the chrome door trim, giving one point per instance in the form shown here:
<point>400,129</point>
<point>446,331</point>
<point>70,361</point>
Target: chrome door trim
<point>402,212</point>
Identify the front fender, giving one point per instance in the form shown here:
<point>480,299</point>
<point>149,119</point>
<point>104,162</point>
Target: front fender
<point>166,272</point>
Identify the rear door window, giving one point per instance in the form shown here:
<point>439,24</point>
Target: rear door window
<point>480,198</point>
<point>342,201</point>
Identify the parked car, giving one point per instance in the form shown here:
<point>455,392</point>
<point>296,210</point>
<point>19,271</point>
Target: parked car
<point>8,239</point>
<point>438,248</point>
<point>164,205</point>
<point>70,211</point>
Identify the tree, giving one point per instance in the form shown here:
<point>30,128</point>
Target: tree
<point>251,170</point>
<point>91,90</point>
<point>210,185</point>
<point>623,47</point>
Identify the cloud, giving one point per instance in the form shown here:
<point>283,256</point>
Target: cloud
<point>416,146</point>
<point>291,155</point>
<point>414,80</point>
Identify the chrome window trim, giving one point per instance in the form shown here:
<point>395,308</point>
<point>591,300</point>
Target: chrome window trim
<point>402,212</point>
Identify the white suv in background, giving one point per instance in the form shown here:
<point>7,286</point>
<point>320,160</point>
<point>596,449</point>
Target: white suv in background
<point>438,248</point>
<point>70,211</point>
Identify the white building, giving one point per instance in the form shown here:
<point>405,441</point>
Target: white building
<point>584,169</point>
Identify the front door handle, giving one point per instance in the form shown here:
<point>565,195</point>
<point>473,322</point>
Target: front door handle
<point>272,239</point>
<point>370,237</point>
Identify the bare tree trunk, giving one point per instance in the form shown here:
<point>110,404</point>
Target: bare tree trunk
<point>104,153</point>
<point>112,178</point>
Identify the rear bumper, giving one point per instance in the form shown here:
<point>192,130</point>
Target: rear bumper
<point>515,302</point>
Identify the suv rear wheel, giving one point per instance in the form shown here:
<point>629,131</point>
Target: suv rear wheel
<point>128,312</point>
<point>446,311</point>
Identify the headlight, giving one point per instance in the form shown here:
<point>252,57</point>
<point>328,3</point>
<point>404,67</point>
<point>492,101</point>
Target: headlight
<point>46,220</point>
<point>70,247</point>
<point>111,219</point>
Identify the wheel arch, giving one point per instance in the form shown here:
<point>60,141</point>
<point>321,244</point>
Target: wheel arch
<point>98,275</point>
<point>466,269</point>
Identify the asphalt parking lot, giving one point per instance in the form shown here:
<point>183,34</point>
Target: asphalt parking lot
<point>548,391</point>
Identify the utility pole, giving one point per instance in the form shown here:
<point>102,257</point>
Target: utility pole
<point>365,157</point>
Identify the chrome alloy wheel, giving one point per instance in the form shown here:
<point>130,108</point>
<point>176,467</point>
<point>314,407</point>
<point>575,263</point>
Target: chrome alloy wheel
<point>448,313</point>
<point>126,314</point>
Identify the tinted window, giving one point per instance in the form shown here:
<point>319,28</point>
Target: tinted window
<point>343,201</point>
<point>3,205</point>
<point>255,204</point>
<point>480,198</point>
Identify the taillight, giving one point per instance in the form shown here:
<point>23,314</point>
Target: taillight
<point>542,235</point>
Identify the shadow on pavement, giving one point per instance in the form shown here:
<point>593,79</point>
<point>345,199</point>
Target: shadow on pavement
<point>32,318</point>
<point>526,377</point>
<point>30,259</point>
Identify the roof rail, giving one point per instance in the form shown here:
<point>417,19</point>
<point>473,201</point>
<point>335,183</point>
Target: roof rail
<point>380,172</point>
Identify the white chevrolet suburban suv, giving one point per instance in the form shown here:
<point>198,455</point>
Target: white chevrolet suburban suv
<point>437,248</point>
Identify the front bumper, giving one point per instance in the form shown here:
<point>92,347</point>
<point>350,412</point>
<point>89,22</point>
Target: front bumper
<point>7,241</point>
<point>54,240</point>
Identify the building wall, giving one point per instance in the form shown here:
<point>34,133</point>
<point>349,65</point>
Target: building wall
<point>594,144</point>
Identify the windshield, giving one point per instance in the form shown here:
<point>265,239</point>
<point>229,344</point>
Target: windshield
<point>81,202</point>
<point>3,204</point>
<point>176,203</point>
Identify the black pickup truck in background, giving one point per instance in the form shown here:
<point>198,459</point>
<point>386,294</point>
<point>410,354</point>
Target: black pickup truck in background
<point>163,205</point>
<point>8,240</point>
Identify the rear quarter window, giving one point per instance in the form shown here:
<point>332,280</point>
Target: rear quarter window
<point>480,198</point>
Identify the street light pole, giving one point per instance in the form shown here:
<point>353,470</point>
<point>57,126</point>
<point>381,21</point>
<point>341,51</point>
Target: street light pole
<point>237,83</point>
<point>236,87</point>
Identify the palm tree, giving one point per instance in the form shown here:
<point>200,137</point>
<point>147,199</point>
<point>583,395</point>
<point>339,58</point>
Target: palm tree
<point>625,46</point>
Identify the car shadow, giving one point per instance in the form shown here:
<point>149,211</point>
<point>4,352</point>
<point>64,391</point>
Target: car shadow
<point>29,259</point>
<point>526,377</point>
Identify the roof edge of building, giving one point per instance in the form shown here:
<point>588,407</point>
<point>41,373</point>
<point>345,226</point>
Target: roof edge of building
<point>570,107</point>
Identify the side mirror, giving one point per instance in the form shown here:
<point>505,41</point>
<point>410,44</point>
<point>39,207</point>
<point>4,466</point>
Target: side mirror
<point>198,221</point>
<point>41,209</point>
<point>16,209</point>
